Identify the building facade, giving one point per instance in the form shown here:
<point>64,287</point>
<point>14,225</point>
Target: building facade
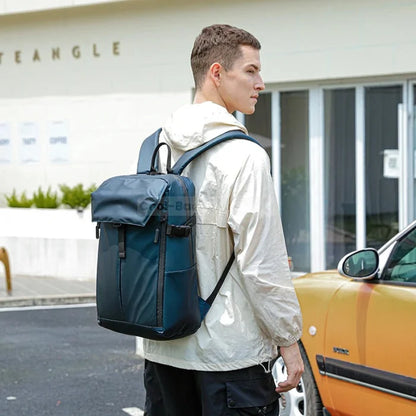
<point>83,82</point>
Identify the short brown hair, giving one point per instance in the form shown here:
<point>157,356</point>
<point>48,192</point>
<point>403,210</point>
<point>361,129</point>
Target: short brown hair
<point>218,43</point>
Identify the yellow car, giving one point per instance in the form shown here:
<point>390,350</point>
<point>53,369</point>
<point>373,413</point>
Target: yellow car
<point>359,337</point>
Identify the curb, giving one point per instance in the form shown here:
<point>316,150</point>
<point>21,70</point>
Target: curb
<point>47,300</point>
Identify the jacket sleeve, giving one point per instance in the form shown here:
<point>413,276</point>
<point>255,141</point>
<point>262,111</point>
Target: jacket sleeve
<point>260,251</point>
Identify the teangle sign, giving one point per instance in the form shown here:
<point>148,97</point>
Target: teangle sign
<point>56,53</point>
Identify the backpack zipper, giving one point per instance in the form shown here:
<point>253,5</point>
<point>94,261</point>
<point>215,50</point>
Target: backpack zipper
<point>161,236</point>
<point>161,272</point>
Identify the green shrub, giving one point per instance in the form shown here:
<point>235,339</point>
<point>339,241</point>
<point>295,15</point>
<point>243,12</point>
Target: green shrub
<point>45,200</point>
<point>15,201</point>
<point>76,197</point>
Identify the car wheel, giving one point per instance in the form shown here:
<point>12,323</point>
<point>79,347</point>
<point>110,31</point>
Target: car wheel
<point>304,400</point>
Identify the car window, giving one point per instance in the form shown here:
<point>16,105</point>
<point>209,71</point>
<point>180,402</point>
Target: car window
<point>401,266</point>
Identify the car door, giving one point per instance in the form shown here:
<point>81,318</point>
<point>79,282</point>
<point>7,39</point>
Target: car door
<point>370,344</point>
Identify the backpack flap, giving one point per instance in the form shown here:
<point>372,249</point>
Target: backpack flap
<point>130,199</point>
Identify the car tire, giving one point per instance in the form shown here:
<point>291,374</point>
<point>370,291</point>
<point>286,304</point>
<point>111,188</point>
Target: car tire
<point>304,400</point>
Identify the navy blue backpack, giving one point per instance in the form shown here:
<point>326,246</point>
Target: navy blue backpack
<point>147,283</point>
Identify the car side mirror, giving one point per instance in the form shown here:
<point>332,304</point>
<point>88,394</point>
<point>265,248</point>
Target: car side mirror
<point>361,264</point>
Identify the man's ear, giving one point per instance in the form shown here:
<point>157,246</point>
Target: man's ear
<point>215,73</point>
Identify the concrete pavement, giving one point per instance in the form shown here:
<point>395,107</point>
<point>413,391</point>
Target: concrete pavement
<point>37,291</point>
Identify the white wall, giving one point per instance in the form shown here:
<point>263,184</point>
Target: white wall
<point>22,6</point>
<point>56,243</point>
<point>336,39</point>
<point>112,98</point>
<point>104,136</point>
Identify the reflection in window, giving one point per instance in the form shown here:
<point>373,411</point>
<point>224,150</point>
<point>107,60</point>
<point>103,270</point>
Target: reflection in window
<point>294,116</point>
<point>340,201</point>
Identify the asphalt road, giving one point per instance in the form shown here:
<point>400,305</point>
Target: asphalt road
<point>60,362</point>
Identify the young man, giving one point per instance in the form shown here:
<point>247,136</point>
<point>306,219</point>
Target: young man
<point>224,368</point>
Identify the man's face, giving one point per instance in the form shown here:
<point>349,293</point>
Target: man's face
<point>240,86</point>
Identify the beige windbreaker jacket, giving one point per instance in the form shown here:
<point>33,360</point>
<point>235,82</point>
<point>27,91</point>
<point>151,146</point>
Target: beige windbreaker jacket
<point>256,309</point>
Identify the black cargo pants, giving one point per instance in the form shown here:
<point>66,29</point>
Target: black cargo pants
<point>173,391</point>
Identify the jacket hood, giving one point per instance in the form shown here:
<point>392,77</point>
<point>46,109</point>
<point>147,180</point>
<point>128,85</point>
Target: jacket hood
<point>194,124</point>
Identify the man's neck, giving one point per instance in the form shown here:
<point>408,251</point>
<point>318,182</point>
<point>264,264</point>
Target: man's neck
<point>202,96</point>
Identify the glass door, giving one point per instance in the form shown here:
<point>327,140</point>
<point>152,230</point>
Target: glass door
<point>340,183</point>
<point>346,168</point>
<point>382,163</point>
<point>294,170</point>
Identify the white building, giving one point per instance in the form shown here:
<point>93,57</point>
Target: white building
<point>83,82</point>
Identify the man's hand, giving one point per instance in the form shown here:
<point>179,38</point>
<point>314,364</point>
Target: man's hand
<point>294,365</point>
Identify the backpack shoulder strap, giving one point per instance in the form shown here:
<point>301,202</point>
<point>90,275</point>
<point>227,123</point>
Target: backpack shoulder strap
<point>205,305</point>
<point>190,155</point>
<point>217,288</point>
<point>146,153</point>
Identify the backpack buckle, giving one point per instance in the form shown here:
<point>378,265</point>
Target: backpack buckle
<point>178,230</point>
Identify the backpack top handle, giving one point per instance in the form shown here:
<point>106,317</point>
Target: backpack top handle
<point>154,163</point>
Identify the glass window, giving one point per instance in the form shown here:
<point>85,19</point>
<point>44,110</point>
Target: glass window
<point>401,266</point>
<point>382,164</point>
<point>294,134</point>
<point>340,213</point>
<point>259,124</point>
